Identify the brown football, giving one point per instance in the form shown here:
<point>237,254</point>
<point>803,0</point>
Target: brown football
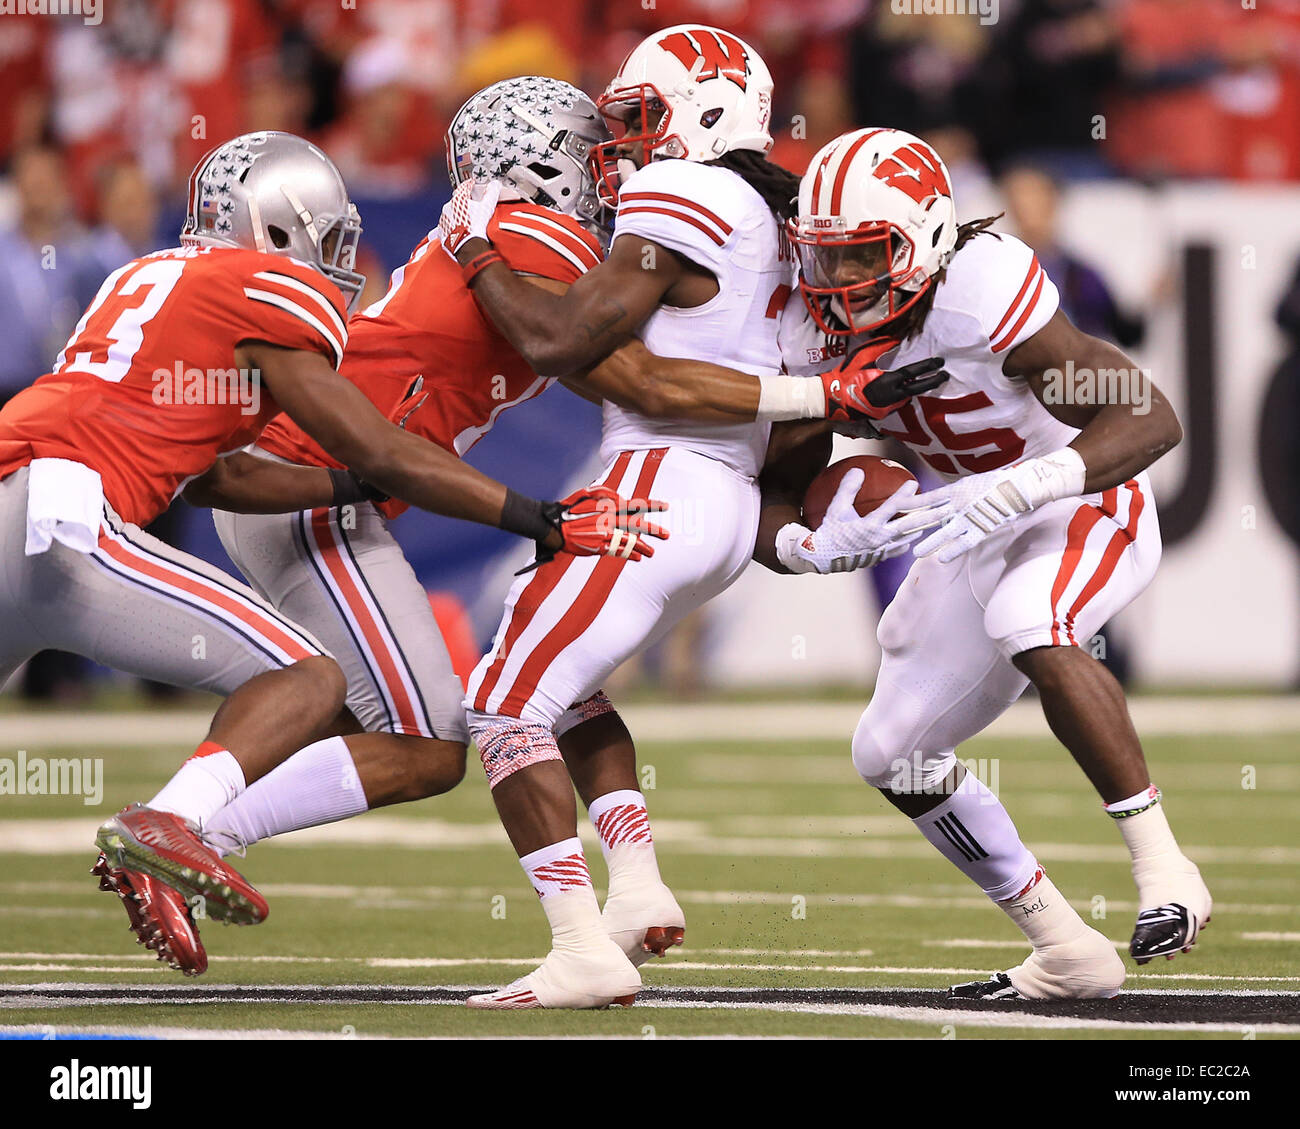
<point>883,477</point>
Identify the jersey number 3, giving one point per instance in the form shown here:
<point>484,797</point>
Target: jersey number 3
<point>108,354</point>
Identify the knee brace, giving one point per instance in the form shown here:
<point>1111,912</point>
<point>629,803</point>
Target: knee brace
<point>506,744</point>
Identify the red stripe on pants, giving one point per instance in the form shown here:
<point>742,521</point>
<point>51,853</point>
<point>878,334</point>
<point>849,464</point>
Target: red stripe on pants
<point>328,551</point>
<point>582,612</point>
<point>531,598</point>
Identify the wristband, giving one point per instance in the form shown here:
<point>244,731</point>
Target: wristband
<point>790,397</point>
<point>480,262</point>
<point>527,517</point>
<point>348,489</point>
<point>1061,474</point>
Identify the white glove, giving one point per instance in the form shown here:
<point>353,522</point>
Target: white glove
<point>469,211</point>
<point>844,541</point>
<point>983,503</point>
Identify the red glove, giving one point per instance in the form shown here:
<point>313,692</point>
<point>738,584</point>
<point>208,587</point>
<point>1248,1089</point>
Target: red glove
<point>599,522</point>
<point>858,390</point>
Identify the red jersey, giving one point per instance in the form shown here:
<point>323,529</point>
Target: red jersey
<point>145,391</point>
<point>428,324</point>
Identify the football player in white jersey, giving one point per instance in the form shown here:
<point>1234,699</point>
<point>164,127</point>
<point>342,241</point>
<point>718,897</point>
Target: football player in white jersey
<point>699,268</point>
<point>1050,530</point>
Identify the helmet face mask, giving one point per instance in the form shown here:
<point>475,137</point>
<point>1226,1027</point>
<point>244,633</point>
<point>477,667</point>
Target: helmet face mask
<point>864,278</point>
<point>644,119</point>
<point>688,92</point>
<point>279,194</point>
<point>537,134</point>
<point>876,226</point>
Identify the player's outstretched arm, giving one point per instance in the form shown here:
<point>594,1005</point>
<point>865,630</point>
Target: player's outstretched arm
<point>680,388</point>
<point>561,333</point>
<point>1119,438</point>
<point>351,429</point>
<point>245,484</point>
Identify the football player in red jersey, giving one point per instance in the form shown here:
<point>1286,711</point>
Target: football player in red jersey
<point>141,404</point>
<point>698,268</point>
<point>340,573</point>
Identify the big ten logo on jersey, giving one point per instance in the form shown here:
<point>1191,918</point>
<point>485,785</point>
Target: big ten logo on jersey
<point>707,53</point>
<point>829,349</point>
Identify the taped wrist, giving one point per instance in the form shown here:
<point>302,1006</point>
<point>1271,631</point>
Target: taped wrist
<point>528,517</point>
<point>1059,475</point>
<point>788,538</point>
<point>790,397</point>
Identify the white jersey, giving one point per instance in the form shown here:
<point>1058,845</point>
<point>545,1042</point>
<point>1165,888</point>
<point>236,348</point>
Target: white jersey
<point>712,217</point>
<point>993,296</point>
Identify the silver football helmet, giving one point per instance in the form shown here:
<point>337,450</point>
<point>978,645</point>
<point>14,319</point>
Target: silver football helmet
<point>536,134</point>
<point>278,193</point>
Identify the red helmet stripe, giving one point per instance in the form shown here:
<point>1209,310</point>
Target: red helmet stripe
<point>821,171</point>
<point>842,173</point>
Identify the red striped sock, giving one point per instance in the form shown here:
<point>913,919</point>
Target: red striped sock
<point>620,817</point>
<point>558,868</point>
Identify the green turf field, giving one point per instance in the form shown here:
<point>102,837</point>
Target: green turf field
<point>793,875</point>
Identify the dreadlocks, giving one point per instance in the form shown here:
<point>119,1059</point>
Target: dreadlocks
<point>910,323</point>
<point>779,187</point>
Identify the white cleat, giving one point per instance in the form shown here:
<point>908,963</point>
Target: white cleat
<point>644,921</point>
<point>1176,906</point>
<point>592,977</point>
<point>1087,968</point>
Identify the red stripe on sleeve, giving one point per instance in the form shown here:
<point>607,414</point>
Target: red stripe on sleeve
<point>681,202</point>
<point>1015,303</point>
<point>1024,317</point>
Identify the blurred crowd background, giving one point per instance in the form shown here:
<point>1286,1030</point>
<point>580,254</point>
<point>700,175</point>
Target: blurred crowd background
<point>100,125</point>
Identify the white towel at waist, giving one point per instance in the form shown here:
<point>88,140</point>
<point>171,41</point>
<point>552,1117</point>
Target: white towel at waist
<point>65,503</point>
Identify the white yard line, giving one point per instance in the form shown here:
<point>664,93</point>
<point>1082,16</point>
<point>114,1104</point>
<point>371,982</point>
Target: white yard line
<point>58,962</point>
<point>683,837</point>
<point>381,896</point>
<point>702,721</point>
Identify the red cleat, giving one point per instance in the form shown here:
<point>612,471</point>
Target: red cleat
<point>164,847</point>
<point>159,917</point>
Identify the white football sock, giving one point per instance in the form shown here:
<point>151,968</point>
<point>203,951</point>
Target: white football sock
<point>559,874</point>
<point>973,831</point>
<point>203,785</point>
<point>318,784</point>
<point>621,822</point>
<point>1152,846</point>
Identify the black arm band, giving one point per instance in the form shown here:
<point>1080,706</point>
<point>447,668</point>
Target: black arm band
<point>526,516</point>
<point>348,488</point>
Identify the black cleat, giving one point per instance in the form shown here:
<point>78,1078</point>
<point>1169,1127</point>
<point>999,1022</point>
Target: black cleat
<point>1162,932</point>
<point>998,988</point>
